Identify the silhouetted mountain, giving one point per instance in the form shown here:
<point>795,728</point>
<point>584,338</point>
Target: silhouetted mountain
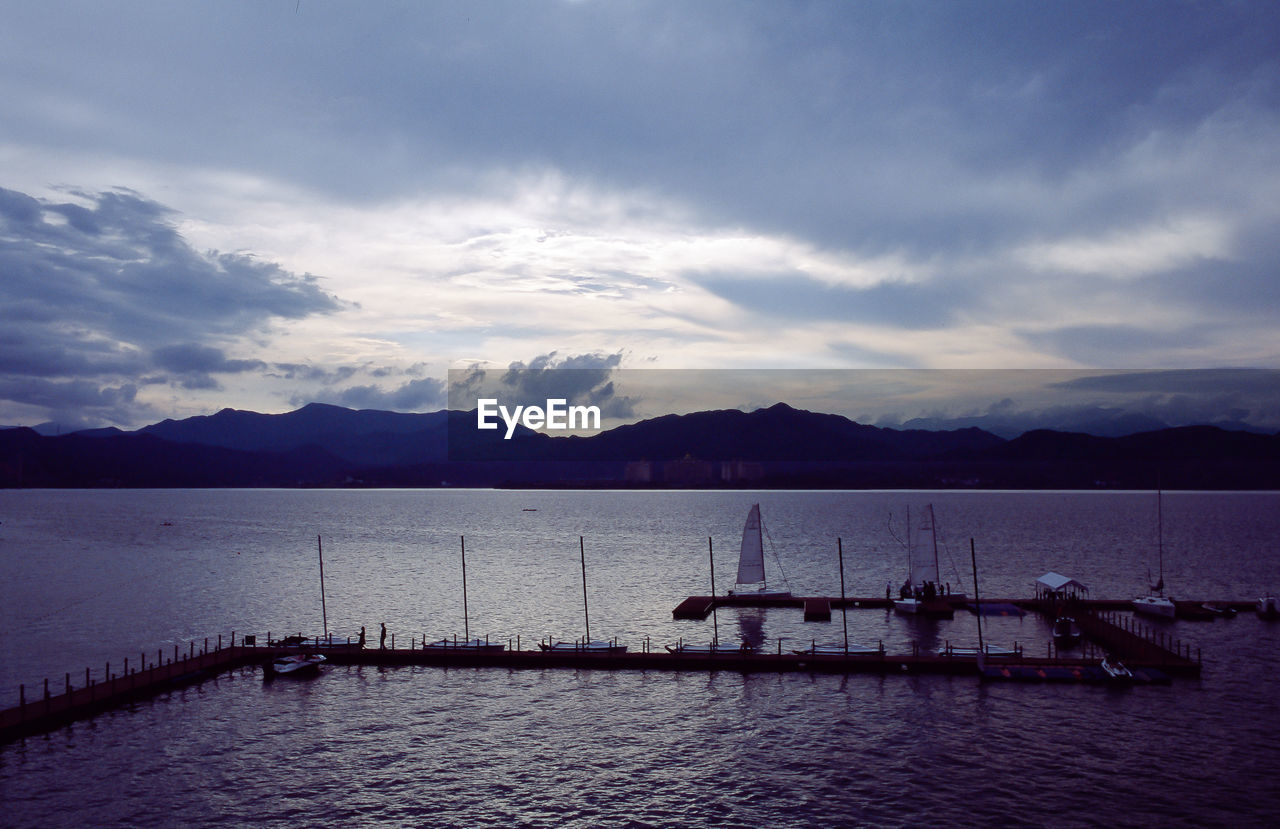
<point>33,460</point>
<point>780,446</point>
<point>365,437</point>
<point>779,433</point>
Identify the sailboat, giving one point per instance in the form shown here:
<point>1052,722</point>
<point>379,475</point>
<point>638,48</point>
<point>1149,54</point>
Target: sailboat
<point>1157,603</point>
<point>920,595</point>
<point>751,580</point>
<point>586,644</point>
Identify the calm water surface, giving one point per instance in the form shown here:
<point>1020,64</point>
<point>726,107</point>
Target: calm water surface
<point>91,577</point>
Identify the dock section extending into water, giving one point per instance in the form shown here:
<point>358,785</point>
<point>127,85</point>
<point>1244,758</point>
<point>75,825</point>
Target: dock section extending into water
<point>1153,656</point>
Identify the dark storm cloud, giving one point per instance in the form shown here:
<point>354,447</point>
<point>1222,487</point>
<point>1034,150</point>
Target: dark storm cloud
<point>193,357</point>
<point>581,379</point>
<point>106,293</point>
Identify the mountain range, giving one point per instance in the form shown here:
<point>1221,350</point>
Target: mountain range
<point>323,445</point>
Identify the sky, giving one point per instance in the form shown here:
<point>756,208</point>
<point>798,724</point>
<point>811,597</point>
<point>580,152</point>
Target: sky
<point>263,204</point>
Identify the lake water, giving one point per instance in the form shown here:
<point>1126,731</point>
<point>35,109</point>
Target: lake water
<point>88,577</point>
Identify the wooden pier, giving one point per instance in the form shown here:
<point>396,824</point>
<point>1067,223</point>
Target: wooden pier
<point>1152,654</point>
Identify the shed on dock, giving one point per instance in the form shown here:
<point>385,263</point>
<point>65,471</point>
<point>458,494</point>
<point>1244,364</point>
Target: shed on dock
<point>1057,586</point>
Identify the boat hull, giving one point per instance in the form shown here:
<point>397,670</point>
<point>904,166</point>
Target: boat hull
<point>299,665</point>
<point>935,609</point>
<point>1268,607</point>
<point>582,647</point>
<point>1157,607</point>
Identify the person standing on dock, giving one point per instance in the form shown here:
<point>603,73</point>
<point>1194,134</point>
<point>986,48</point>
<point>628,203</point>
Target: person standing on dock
<point>362,636</point>
<point>382,643</point>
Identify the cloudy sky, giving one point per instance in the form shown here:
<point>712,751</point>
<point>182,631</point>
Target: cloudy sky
<point>263,204</point>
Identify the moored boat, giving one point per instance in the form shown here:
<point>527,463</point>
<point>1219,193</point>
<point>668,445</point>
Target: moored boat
<point>920,595</point>
<point>709,648</point>
<point>1268,606</point>
<point>840,650</point>
<point>751,576</point>
<point>581,646</point>
<point>465,646</point>
<point>1065,631</point>
<point>296,665</point>
<point>1116,669</point>
<point>1156,603</point>
<point>1160,607</point>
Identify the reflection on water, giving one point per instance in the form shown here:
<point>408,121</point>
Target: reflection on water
<point>91,576</point>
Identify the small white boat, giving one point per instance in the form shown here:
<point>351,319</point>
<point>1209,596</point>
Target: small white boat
<point>1065,631</point>
<point>298,664</point>
<point>985,650</point>
<point>709,649</point>
<point>840,650</point>
<point>1115,668</point>
<point>465,646</point>
<point>583,647</point>
<point>1268,606</point>
<point>751,580</point>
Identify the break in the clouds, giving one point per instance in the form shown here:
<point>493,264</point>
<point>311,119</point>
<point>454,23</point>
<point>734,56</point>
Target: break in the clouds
<point>719,184</point>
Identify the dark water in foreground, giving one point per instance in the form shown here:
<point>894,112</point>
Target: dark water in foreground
<point>92,576</point>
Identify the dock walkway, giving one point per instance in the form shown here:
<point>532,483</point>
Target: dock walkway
<point>49,711</point>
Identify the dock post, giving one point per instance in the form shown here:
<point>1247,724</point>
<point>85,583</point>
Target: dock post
<point>219,641</point>
<point>22,700</point>
<point>68,684</point>
<point>46,695</point>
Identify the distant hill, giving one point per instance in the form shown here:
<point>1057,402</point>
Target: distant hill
<point>364,437</point>
<point>777,447</point>
<point>779,433</point>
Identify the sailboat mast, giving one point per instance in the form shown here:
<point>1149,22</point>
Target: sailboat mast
<point>586,615</point>
<point>911,558</point>
<point>715,622</point>
<point>764,577</point>
<point>844,610</point>
<point>324,613</point>
<point>977,602</point>
<point>466,617</point>
<point>1160,537</point>
<point>933,530</point>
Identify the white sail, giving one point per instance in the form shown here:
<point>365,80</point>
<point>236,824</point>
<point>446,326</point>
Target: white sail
<point>924,552</point>
<point>751,561</point>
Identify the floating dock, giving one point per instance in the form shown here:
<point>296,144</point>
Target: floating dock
<point>1151,654</point>
<point>697,608</point>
